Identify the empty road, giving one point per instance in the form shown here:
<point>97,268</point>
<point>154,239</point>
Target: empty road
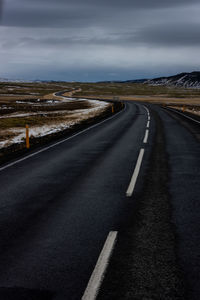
<point>137,174</point>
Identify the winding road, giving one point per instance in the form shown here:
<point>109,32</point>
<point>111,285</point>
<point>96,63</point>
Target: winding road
<point>134,173</point>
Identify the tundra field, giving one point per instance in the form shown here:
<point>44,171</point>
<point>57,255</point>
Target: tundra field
<point>47,115</point>
<point>37,105</point>
<point>140,92</point>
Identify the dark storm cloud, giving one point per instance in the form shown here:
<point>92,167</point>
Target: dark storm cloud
<point>1,8</point>
<point>169,36</point>
<point>84,38</point>
<point>61,13</point>
<point>173,35</point>
<point>110,3</point>
<point>46,18</point>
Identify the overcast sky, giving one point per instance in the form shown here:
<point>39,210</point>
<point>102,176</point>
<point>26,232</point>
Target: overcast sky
<point>91,40</point>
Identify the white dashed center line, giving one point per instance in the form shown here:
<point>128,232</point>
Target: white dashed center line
<point>132,184</point>
<point>146,136</point>
<point>135,174</point>
<point>97,276</point>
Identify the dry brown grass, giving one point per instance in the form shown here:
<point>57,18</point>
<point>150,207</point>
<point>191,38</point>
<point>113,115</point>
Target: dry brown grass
<point>18,91</point>
<point>164,100</point>
<point>9,98</point>
<point>42,116</point>
<point>150,99</point>
<point>139,92</point>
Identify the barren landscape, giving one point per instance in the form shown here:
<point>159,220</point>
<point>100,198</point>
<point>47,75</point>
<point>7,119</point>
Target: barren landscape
<point>140,92</point>
<point>37,105</point>
<point>45,113</point>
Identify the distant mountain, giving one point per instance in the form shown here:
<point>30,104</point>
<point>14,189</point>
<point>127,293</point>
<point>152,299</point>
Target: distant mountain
<point>187,80</point>
<point>135,81</point>
<point>124,81</point>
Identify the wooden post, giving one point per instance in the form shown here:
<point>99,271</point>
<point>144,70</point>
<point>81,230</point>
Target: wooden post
<point>27,137</point>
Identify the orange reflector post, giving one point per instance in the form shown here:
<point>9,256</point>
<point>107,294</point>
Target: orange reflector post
<point>27,137</point>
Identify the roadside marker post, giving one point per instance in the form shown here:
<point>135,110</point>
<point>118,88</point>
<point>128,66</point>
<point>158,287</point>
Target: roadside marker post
<point>113,109</point>
<point>27,137</point>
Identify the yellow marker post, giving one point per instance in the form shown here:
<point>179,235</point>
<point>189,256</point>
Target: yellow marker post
<point>27,137</point>
<point>183,108</point>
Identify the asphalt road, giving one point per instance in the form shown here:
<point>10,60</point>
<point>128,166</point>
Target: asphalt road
<point>58,206</point>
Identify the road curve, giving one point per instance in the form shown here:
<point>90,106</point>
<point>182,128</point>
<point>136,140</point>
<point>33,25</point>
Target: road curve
<point>58,206</point>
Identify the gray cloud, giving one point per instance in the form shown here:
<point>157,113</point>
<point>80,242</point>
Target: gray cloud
<point>62,13</point>
<point>98,37</point>
<point>171,35</point>
<point>1,8</point>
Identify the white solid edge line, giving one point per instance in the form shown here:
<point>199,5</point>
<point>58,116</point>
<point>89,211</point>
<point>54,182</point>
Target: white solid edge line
<point>135,174</point>
<point>97,276</point>
<point>60,142</point>
<point>148,123</point>
<point>146,136</point>
<point>184,115</point>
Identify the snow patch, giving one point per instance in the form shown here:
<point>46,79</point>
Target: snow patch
<point>78,115</point>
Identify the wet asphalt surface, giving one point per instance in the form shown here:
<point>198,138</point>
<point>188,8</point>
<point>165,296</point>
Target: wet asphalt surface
<point>183,150</point>
<point>57,208</point>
